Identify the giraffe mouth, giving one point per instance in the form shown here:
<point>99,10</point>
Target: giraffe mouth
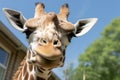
<point>49,54</point>
<point>47,62</point>
<point>53,58</point>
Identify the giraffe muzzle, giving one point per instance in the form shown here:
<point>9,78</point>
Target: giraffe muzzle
<point>51,51</point>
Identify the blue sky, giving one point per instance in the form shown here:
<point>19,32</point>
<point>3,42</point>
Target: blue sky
<point>104,10</point>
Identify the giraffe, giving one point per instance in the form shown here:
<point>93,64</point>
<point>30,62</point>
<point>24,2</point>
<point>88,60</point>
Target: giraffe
<point>48,35</point>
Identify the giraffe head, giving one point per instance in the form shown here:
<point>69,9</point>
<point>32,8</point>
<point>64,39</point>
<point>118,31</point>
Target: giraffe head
<point>48,33</point>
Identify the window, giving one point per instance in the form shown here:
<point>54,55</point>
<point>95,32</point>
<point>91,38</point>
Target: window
<point>3,62</point>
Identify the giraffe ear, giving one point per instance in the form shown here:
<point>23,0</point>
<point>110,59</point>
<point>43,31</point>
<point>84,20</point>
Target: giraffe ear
<point>16,19</point>
<point>83,26</point>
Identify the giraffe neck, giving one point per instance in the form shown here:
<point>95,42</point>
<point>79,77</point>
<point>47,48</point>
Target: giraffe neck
<point>28,71</point>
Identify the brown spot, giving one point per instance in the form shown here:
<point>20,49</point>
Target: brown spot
<point>26,76</point>
<point>24,69</point>
<point>30,67</point>
<point>40,70</point>
<point>31,77</point>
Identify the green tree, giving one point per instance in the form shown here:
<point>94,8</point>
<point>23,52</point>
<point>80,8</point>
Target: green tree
<point>101,60</point>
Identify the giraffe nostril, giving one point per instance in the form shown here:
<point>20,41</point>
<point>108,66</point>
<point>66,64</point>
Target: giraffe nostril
<point>57,43</point>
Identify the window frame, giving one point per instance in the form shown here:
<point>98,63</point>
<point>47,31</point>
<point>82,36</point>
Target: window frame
<point>1,65</point>
<point>5,66</point>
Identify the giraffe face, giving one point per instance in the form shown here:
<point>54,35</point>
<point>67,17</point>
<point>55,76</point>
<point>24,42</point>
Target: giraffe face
<point>48,33</point>
<point>48,39</point>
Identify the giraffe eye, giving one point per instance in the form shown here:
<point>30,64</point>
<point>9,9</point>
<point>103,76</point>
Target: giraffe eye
<point>43,41</point>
